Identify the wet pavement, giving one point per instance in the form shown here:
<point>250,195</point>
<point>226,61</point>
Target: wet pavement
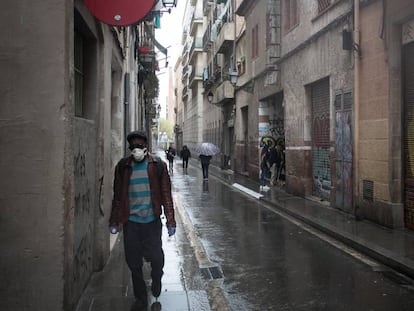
<point>392,247</point>
<point>232,251</point>
<point>272,261</point>
<point>111,289</point>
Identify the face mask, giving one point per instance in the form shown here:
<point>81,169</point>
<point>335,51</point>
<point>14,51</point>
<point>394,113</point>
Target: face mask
<point>139,154</point>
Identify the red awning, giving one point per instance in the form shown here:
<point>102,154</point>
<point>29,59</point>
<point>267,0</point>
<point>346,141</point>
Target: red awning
<point>120,12</point>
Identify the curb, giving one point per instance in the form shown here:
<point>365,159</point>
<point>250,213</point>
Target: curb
<point>215,294</point>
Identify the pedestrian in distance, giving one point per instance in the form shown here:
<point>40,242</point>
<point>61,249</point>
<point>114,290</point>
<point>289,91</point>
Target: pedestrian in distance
<point>281,167</point>
<point>185,154</point>
<point>205,162</point>
<point>264,168</point>
<point>171,153</point>
<point>272,165</point>
<point>141,187</point>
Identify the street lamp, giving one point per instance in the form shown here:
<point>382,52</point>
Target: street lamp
<point>233,79</point>
<point>210,97</point>
<point>169,3</point>
<point>233,76</point>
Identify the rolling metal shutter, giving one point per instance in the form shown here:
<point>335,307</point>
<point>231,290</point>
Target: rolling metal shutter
<point>321,166</point>
<point>409,135</point>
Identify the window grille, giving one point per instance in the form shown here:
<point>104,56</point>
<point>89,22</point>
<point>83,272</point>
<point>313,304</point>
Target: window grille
<point>323,5</point>
<point>368,190</point>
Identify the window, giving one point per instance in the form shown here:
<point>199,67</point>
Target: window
<point>85,66</point>
<point>241,65</point>
<point>79,74</point>
<point>290,14</point>
<point>268,30</point>
<point>255,41</point>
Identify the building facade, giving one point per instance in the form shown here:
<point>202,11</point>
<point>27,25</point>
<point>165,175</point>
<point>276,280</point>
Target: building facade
<point>73,88</point>
<point>331,80</point>
<point>337,97</point>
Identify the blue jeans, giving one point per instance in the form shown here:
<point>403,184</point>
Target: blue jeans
<point>263,175</point>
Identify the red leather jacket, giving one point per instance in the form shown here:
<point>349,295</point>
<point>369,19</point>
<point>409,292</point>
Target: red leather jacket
<point>160,187</point>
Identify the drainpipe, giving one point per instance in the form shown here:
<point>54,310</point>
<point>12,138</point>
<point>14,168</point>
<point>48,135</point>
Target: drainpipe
<point>356,51</point>
<point>232,150</point>
<point>126,111</point>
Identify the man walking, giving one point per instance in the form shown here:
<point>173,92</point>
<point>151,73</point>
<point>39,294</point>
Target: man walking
<point>185,154</point>
<point>141,186</point>
<point>170,157</point>
<point>205,162</point>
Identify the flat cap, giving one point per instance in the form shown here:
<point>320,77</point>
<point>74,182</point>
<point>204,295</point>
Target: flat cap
<point>137,134</point>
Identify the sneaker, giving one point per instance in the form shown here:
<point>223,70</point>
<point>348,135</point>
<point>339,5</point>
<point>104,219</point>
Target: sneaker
<point>266,188</point>
<point>261,188</point>
<point>156,288</point>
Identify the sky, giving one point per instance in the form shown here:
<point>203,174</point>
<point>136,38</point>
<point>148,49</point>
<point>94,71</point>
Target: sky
<point>169,35</point>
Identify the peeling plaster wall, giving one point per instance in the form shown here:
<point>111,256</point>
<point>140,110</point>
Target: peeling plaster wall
<point>57,170</point>
<point>85,207</point>
<point>33,123</point>
<point>310,52</point>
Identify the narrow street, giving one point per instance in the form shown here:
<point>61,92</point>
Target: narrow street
<point>269,262</point>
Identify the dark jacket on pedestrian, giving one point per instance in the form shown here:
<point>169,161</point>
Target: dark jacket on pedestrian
<point>185,153</point>
<point>171,154</point>
<point>160,186</point>
<point>205,159</point>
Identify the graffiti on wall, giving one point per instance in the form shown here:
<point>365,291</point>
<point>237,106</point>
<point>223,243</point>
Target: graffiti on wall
<point>84,177</point>
<point>343,154</point>
<point>83,259</point>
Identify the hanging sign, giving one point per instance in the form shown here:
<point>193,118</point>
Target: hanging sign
<point>120,12</point>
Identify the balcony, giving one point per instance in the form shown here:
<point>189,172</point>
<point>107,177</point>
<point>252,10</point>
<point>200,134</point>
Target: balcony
<point>207,43</point>
<point>195,76</point>
<point>184,57</point>
<point>184,73</point>
<point>195,22</point>
<point>184,36</point>
<point>244,7</point>
<point>225,37</point>
<point>197,46</point>
<point>224,93</point>
<point>184,95</point>
<point>185,50</point>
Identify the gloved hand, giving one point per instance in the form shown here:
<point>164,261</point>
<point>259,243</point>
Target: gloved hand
<point>171,231</point>
<point>114,228</point>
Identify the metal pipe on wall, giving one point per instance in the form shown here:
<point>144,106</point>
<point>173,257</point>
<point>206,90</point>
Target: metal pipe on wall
<point>356,51</point>
<point>126,111</point>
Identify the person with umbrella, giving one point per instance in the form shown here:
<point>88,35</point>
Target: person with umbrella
<point>205,162</point>
<point>206,151</point>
